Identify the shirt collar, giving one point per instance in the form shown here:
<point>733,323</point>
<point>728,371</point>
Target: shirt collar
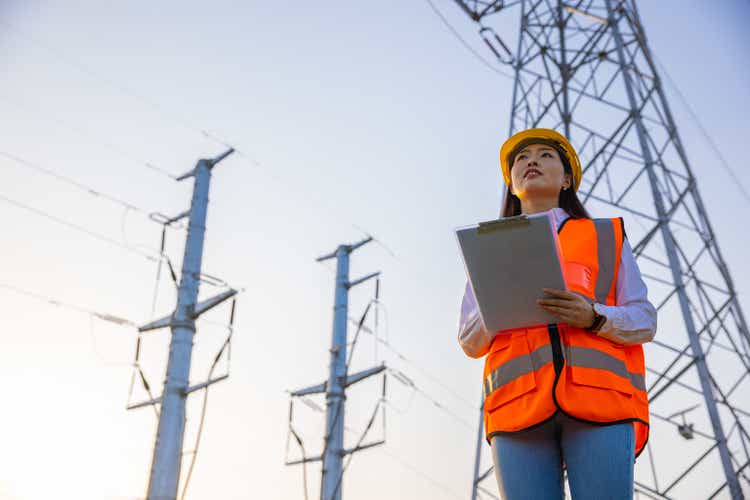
<point>558,216</point>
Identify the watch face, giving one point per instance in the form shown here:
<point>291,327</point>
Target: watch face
<point>599,321</point>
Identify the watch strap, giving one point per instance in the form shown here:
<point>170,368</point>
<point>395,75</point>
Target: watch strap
<point>598,322</point>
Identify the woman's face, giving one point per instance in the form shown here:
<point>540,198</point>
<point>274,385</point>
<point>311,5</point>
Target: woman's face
<point>537,172</point>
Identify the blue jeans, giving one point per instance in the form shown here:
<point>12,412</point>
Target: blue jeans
<point>599,461</point>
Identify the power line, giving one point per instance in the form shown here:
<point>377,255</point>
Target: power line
<point>408,382</point>
<point>397,459</point>
<point>60,56</point>
<point>416,470</point>
<point>95,347</point>
<point>56,302</point>
<point>81,229</point>
<point>466,45</point>
<point>81,186</point>
<point>423,371</point>
<point>147,101</point>
<point>92,314</point>
<point>107,145</point>
<point>385,342</point>
<point>724,163</point>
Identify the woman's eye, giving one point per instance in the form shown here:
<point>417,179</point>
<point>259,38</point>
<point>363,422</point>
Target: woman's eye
<point>546,154</point>
<point>521,156</point>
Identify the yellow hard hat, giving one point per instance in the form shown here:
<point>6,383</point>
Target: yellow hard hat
<point>544,135</point>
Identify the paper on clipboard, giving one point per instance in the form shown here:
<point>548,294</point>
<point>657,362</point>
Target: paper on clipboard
<point>508,261</point>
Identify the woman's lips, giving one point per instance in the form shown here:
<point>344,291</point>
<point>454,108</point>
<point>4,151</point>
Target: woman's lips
<point>531,171</point>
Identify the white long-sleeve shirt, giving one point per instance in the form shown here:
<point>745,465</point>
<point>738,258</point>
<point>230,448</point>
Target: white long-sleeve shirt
<point>631,321</point>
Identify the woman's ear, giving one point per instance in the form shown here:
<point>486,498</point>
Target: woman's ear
<point>567,182</point>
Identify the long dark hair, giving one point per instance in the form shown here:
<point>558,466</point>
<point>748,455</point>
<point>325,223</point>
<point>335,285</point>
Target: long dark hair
<point>567,200</point>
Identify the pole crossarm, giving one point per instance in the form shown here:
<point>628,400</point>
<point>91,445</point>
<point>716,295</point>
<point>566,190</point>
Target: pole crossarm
<point>199,309</point>
<point>190,389</point>
<point>306,460</point>
<point>212,302</point>
<point>359,376</point>
<point>209,164</point>
<point>361,280</point>
<point>350,379</point>
<point>364,447</point>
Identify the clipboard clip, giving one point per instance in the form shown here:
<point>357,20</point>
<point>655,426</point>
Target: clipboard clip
<point>504,223</point>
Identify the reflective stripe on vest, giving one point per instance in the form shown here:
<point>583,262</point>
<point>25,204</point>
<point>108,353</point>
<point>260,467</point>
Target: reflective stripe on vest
<point>585,357</point>
<point>517,367</point>
<point>606,245</point>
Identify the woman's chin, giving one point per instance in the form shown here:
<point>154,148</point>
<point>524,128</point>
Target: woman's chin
<point>536,190</point>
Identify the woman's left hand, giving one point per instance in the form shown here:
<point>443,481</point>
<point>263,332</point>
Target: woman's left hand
<point>570,307</point>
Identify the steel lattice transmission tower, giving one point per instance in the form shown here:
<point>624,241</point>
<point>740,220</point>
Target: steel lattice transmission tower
<point>585,69</point>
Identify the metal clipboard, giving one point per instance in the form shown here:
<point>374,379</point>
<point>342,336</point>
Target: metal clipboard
<point>508,261</point>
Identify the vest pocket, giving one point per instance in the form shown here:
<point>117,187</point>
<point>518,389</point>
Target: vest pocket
<point>579,277</point>
<point>597,362</point>
<point>510,371</point>
<point>601,380</point>
<point>600,370</point>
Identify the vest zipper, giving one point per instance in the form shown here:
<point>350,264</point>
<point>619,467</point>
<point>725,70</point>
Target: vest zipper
<point>557,355</point>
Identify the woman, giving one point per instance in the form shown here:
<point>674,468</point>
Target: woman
<point>569,395</point>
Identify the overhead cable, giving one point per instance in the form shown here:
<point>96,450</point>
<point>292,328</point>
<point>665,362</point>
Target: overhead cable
<point>466,45</point>
<point>108,145</point>
<point>722,161</point>
<point>152,216</point>
<point>117,320</point>
<point>81,229</point>
<point>60,56</point>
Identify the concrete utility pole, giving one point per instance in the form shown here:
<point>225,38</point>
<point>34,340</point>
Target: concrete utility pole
<point>338,378</point>
<point>167,458</point>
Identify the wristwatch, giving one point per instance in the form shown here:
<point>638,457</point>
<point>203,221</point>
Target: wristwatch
<point>599,320</point>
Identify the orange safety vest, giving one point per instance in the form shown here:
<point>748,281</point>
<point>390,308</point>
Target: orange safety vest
<point>532,373</point>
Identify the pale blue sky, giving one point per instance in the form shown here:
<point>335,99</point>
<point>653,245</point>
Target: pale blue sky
<point>358,114</point>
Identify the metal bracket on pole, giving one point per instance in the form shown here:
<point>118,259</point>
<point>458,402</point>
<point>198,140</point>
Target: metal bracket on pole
<point>355,246</point>
<point>214,301</point>
<point>143,404</point>
<point>205,384</point>
<point>350,380</point>
<point>349,249</point>
<point>359,376</point>
<point>155,325</point>
<point>200,308</point>
<point>364,447</point>
<point>326,256</point>
<point>209,163</point>
<point>304,460</point>
<point>314,389</point>
<point>354,283</point>
<point>160,218</point>
<point>190,389</point>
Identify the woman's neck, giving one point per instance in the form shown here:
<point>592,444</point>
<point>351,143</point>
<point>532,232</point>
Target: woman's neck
<point>535,206</point>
